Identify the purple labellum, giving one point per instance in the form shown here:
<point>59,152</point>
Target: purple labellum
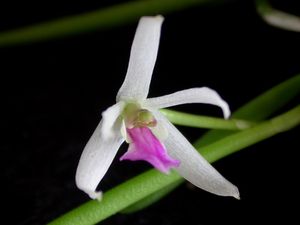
<point>145,146</point>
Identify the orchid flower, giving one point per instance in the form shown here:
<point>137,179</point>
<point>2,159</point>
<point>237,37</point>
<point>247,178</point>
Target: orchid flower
<point>136,119</point>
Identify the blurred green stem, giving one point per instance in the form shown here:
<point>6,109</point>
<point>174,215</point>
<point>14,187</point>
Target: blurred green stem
<point>99,19</point>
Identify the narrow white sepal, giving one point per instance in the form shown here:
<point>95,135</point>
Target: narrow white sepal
<point>142,59</point>
<point>95,160</point>
<point>109,118</point>
<point>193,167</point>
<point>192,95</point>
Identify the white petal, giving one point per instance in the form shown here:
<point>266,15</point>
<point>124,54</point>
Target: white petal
<point>192,95</point>
<point>109,117</point>
<point>142,59</point>
<point>95,160</point>
<point>193,166</point>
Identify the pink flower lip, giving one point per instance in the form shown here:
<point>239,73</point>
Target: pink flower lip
<point>145,146</point>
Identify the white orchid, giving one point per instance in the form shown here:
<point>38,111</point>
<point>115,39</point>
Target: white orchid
<point>136,119</point>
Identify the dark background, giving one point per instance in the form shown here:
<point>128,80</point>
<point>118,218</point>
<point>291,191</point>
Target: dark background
<point>53,93</point>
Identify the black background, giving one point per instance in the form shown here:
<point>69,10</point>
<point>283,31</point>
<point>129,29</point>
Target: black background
<point>53,93</point>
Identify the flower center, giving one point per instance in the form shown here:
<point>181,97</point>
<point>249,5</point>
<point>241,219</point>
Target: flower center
<point>144,145</point>
<point>135,116</point>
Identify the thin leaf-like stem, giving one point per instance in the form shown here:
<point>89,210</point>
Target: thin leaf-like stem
<point>243,139</point>
<point>191,120</point>
<point>154,197</point>
<point>258,109</point>
<point>99,19</point>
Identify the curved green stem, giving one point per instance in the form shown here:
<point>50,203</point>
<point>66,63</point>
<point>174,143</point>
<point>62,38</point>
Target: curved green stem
<point>240,140</point>
<point>191,120</point>
<point>259,108</point>
<point>91,21</point>
<point>152,181</point>
<point>143,203</point>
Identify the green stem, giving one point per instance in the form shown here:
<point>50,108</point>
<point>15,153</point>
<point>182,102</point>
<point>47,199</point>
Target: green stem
<point>117,199</point>
<point>243,139</point>
<point>149,182</point>
<point>99,19</point>
<point>191,120</point>
<point>143,203</point>
<point>259,108</point>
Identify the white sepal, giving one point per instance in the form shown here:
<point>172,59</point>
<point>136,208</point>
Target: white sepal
<point>193,167</point>
<point>142,59</point>
<point>95,160</point>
